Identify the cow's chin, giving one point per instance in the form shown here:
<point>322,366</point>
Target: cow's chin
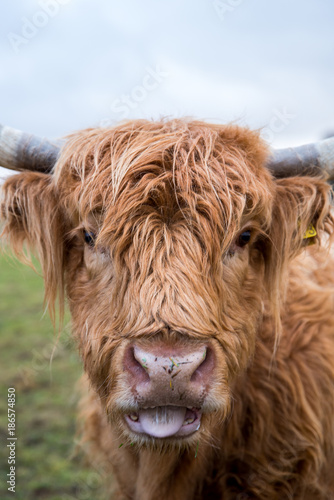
<point>164,421</point>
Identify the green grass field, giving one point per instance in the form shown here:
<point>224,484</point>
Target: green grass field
<point>46,465</point>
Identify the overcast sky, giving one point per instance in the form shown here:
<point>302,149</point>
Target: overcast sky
<point>70,64</point>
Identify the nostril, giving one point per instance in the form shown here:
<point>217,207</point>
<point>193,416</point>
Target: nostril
<point>204,370</point>
<point>136,367</point>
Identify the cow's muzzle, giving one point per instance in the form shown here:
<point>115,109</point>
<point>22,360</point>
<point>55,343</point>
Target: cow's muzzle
<point>169,386</point>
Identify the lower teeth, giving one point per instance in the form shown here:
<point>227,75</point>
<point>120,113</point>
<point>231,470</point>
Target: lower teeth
<point>134,417</point>
<point>189,421</point>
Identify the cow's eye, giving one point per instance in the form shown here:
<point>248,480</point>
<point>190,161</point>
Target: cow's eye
<point>90,237</point>
<point>244,238</point>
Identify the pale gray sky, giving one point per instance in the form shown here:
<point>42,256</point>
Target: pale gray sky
<point>70,64</point>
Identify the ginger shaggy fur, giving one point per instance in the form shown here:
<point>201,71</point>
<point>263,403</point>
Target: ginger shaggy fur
<point>167,202</point>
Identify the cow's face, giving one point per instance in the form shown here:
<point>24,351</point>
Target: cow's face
<point>169,241</point>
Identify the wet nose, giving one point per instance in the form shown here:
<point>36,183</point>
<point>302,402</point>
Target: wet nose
<point>173,364</point>
<point>165,375</point>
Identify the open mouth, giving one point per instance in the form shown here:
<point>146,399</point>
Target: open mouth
<point>165,421</point>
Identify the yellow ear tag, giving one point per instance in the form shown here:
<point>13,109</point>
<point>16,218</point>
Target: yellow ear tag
<point>310,232</point>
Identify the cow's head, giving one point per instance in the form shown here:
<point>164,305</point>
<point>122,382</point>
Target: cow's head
<point>171,239</point>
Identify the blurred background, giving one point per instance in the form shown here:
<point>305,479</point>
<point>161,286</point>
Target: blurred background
<point>71,64</point>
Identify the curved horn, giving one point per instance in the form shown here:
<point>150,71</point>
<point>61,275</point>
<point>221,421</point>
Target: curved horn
<point>21,151</point>
<point>310,159</point>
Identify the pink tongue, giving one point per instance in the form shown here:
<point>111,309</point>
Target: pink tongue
<point>162,421</point>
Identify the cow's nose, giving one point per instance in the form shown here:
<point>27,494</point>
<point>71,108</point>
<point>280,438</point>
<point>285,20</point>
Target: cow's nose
<point>171,364</point>
<point>170,376</point>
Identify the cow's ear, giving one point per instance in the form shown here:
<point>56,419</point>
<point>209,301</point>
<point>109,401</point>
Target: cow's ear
<point>32,221</point>
<point>301,215</point>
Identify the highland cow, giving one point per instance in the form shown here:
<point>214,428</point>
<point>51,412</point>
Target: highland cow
<point>199,277</point>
